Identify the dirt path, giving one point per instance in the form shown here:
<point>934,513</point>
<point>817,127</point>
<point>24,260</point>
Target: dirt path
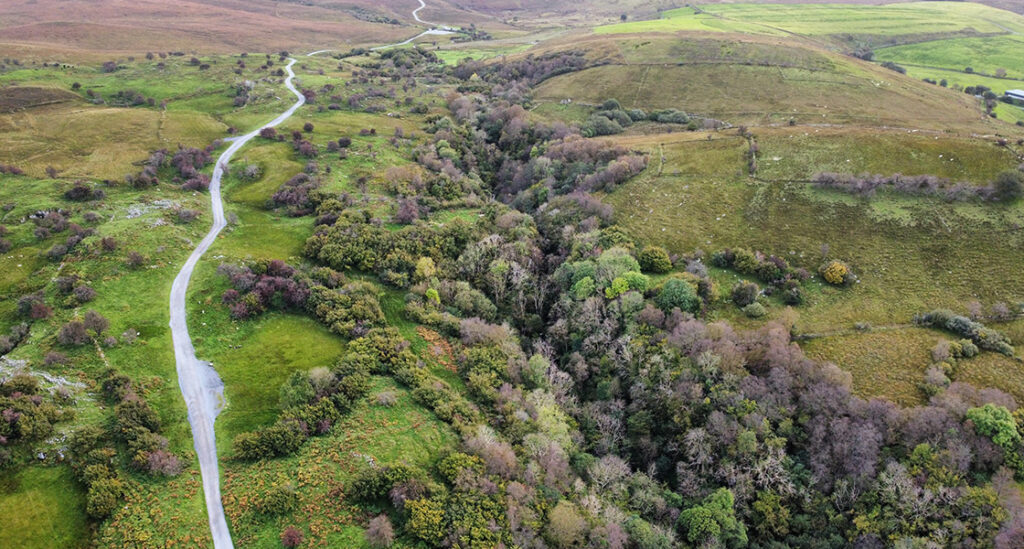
<point>200,385</point>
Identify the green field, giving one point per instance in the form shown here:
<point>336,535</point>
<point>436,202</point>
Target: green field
<point>984,55</point>
<point>850,93</point>
<point>41,509</point>
<point>905,19</point>
<point>704,200</point>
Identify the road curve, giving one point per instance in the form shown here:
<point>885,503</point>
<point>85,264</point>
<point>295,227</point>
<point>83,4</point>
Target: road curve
<point>200,385</point>
<point>433,30</point>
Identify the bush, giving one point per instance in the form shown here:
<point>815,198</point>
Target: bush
<point>678,293</point>
<point>745,293</point>
<point>73,333</point>
<point>280,499</point>
<point>654,259</point>
<point>836,273</point>
<point>1009,186</point>
<point>134,260</point>
<point>280,439</point>
<point>598,125</point>
<point>755,310</point>
<point>380,534</point>
<point>291,537</point>
<point>982,336</point>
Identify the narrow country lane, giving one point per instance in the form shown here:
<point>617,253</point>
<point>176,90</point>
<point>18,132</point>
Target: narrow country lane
<point>200,385</point>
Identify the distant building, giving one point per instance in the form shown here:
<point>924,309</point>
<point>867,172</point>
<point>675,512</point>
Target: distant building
<point>1015,94</point>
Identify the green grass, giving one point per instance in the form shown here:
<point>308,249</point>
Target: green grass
<point>884,20</point>
<point>917,18</point>
<point>984,55</point>
<point>912,254</point>
<point>454,55</point>
<point>41,508</point>
<point>685,19</point>
<point>831,90</point>
<point>403,433</point>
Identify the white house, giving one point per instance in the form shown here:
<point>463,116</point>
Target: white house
<point>1015,94</point>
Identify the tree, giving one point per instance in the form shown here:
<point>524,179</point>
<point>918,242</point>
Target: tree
<point>654,259</point>
<point>73,333</point>
<point>565,525</point>
<point>997,423</point>
<point>380,534</point>
<point>96,322</point>
<point>307,127</point>
<point>713,522</point>
<point>678,293</point>
<point>744,293</point>
<point>296,391</point>
<point>1009,186</point>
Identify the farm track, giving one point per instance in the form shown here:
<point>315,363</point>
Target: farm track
<point>200,385</point>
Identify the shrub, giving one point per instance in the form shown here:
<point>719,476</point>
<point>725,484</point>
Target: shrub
<point>1008,186</point>
<point>96,323</point>
<point>73,333</point>
<point>654,259</point>
<point>982,336</point>
<point>291,537</point>
<point>380,534</point>
<point>678,293</point>
<point>307,127</point>
<point>280,499</point>
<point>186,215</point>
<point>134,259</point>
<point>84,294</point>
<point>745,293</point>
<point>598,125</point>
<point>836,273</point>
<point>755,310</point>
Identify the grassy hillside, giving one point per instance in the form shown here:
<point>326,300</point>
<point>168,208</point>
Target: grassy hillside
<point>758,81</point>
<point>841,24</point>
<point>912,254</point>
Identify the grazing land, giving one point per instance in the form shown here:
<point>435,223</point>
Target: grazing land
<point>610,274</point>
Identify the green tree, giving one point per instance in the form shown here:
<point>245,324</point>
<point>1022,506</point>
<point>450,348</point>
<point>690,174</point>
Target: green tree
<point>296,391</point>
<point>678,293</point>
<point>1009,186</point>
<point>426,519</point>
<point>654,259</point>
<point>713,523</point>
<point>997,423</point>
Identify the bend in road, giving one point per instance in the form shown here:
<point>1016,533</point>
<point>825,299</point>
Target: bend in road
<point>433,30</point>
<point>200,385</point>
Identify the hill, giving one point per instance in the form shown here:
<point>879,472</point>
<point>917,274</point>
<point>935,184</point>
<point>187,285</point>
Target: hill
<point>759,80</point>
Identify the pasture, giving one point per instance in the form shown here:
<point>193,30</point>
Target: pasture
<point>911,253</point>
<point>984,55</point>
<point>838,24</point>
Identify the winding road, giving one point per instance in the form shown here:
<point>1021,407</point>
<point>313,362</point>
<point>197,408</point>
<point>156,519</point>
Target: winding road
<point>200,384</point>
<point>433,30</point>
